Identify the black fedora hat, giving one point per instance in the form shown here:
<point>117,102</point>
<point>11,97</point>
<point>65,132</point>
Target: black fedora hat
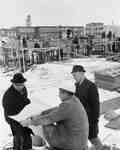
<point>78,68</point>
<point>18,78</point>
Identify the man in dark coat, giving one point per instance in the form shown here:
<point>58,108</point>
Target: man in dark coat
<point>65,127</point>
<point>87,93</point>
<point>14,100</point>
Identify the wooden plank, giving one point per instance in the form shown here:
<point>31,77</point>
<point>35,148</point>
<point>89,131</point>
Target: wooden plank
<point>108,105</point>
<point>107,85</point>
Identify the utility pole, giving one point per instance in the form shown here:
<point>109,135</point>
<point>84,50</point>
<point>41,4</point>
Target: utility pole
<point>18,53</point>
<point>4,53</point>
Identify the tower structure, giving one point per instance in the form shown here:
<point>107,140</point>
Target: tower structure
<point>28,20</point>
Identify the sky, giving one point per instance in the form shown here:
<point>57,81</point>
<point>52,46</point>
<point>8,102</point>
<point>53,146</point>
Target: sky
<point>59,12</point>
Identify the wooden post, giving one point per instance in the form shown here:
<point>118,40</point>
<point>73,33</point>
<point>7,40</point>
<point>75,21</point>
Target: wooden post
<point>23,58</point>
<point>18,54</point>
<point>59,53</point>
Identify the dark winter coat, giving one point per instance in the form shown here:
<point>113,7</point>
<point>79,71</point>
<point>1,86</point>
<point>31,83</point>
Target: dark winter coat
<point>13,103</point>
<point>23,140</point>
<point>88,95</point>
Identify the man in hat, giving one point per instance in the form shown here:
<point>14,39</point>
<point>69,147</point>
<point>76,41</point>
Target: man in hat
<point>66,126</point>
<point>14,100</point>
<point>87,93</point>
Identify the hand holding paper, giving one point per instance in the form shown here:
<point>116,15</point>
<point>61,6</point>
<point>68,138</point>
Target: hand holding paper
<point>26,122</point>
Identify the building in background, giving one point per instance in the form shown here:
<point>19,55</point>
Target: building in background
<point>29,44</point>
<point>94,29</point>
<point>20,42</point>
<point>94,32</point>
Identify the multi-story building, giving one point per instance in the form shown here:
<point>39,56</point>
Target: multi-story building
<point>41,31</point>
<point>79,31</point>
<point>40,34</point>
<point>11,33</point>
<point>94,32</point>
<point>94,29</point>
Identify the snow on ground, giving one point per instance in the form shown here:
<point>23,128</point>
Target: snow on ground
<point>43,83</point>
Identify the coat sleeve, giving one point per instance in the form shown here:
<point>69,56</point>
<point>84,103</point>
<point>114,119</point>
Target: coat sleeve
<point>56,115</point>
<point>48,111</point>
<point>94,102</point>
<point>13,102</point>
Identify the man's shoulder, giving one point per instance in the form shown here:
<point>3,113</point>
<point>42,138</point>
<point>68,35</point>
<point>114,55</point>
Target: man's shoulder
<point>68,102</point>
<point>6,97</point>
<point>73,100</point>
<point>8,91</point>
<point>89,82</point>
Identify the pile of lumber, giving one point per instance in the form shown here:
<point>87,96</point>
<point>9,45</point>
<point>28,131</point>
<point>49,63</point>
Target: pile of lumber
<point>108,79</point>
<point>114,57</point>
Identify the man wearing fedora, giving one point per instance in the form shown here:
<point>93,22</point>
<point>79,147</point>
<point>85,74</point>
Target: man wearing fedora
<point>66,126</point>
<point>87,93</point>
<point>14,100</point>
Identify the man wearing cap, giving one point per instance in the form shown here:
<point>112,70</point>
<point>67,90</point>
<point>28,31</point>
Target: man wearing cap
<point>88,95</point>
<point>66,126</point>
<point>14,100</point>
